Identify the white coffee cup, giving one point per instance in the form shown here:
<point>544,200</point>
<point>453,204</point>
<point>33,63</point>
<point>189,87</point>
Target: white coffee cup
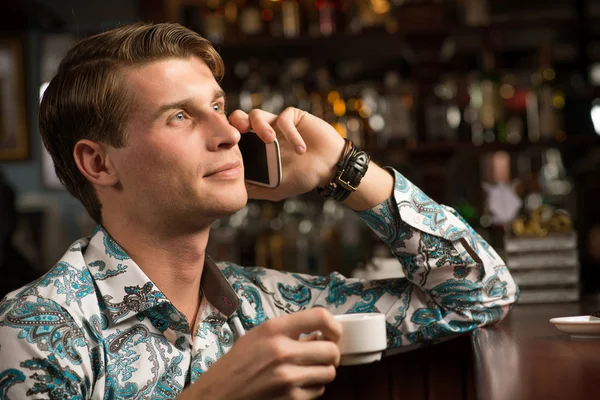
<point>363,338</point>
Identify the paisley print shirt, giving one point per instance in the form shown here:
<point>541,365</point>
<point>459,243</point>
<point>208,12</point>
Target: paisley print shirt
<point>96,327</point>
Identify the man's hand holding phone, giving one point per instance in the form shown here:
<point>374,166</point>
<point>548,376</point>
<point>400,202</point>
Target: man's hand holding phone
<point>272,362</point>
<point>262,161</point>
<point>309,149</point>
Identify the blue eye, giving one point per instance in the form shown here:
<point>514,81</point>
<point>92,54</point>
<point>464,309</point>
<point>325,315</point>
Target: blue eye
<point>219,107</point>
<point>179,116</point>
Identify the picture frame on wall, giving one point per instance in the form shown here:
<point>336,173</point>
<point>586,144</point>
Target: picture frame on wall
<point>14,143</point>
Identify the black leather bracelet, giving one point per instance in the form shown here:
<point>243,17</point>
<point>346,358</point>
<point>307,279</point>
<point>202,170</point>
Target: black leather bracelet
<point>332,186</point>
<point>351,168</point>
<point>352,174</point>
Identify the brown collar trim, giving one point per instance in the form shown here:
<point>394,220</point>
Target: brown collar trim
<point>217,290</point>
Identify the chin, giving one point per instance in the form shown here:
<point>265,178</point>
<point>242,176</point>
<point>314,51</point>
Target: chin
<point>231,201</point>
<point>230,208</point>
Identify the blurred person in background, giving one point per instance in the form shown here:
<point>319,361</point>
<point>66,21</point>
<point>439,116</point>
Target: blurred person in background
<point>15,270</point>
<point>136,125</point>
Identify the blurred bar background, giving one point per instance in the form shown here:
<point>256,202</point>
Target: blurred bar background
<point>490,106</point>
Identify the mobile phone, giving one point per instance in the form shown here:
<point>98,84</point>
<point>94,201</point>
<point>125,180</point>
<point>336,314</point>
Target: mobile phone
<point>262,162</point>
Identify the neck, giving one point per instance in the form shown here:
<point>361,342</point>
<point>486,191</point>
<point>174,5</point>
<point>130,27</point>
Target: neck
<point>174,261</point>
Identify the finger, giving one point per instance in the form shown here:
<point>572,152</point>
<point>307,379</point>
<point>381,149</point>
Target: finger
<point>302,393</point>
<point>287,123</point>
<point>316,352</point>
<point>313,392</point>
<point>261,123</point>
<point>240,121</point>
<point>314,319</point>
<point>308,392</point>
<point>307,376</point>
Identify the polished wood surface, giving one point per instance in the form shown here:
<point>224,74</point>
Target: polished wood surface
<point>440,372</point>
<point>525,357</point>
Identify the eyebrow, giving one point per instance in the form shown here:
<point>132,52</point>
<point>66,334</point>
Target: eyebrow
<point>185,103</point>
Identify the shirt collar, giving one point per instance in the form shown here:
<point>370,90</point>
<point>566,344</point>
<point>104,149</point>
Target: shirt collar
<point>127,291</point>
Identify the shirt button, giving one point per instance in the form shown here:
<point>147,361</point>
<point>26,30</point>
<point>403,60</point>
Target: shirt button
<point>170,335</point>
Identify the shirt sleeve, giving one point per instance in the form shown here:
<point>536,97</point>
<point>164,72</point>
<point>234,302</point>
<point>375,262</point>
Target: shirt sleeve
<point>455,281</point>
<point>43,352</point>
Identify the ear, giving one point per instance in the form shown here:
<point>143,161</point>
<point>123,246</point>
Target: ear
<point>95,164</point>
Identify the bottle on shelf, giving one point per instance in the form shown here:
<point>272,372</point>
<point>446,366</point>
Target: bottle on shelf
<point>514,92</point>
<point>397,109</point>
<point>486,99</point>
<point>467,113</point>
<point>272,16</point>
<point>250,19</point>
<point>216,20</point>
<point>544,102</point>
<point>355,122</point>
<point>231,15</point>
<point>554,180</point>
<point>326,11</point>
<point>290,15</point>
<point>442,113</point>
<point>324,95</point>
<point>370,109</point>
<point>373,15</point>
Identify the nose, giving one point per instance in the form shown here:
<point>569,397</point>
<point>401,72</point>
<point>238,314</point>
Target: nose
<point>223,135</point>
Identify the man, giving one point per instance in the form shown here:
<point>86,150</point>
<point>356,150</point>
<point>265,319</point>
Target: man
<point>135,123</point>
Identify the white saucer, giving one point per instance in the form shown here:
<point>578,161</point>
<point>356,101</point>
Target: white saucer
<point>361,358</point>
<point>580,327</point>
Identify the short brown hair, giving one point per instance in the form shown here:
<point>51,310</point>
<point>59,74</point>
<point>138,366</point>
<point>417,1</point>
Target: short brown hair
<point>87,97</point>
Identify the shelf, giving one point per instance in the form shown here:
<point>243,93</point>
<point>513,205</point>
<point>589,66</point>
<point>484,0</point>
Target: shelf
<point>334,47</point>
<point>381,44</point>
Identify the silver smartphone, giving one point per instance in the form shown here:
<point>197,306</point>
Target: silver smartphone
<point>262,162</point>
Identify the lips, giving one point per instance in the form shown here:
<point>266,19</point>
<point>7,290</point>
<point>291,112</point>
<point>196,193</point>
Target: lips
<point>225,167</point>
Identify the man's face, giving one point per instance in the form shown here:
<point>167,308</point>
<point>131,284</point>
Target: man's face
<point>181,165</point>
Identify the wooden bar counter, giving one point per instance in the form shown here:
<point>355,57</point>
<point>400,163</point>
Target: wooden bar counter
<point>526,357</point>
<point>523,357</point>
